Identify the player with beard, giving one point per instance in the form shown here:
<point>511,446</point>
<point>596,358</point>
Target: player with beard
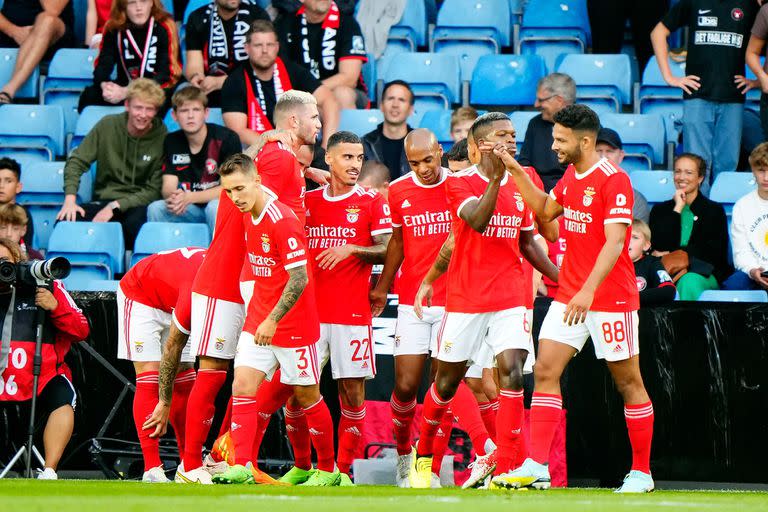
<point>597,296</point>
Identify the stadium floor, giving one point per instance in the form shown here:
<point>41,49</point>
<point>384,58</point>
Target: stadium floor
<point>81,496</point>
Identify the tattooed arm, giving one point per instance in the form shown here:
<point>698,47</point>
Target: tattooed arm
<point>439,267</point>
<point>297,282</point>
<point>373,254</point>
<point>169,367</point>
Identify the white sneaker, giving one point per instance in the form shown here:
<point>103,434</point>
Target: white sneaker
<point>404,463</point>
<point>48,474</point>
<point>529,474</point>
<point>435,483</point>
<point>195,476</point>
<point>481,468</point>
<point>214,468</point>
<point>155,476</point>
<point>636,482</point>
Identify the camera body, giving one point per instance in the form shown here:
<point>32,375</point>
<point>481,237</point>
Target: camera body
<point>34,272</point>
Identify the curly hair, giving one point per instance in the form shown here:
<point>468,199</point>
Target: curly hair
<point>578,117</point>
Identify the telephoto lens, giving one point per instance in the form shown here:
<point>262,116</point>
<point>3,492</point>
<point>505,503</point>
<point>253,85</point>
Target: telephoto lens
<point>54,268</point>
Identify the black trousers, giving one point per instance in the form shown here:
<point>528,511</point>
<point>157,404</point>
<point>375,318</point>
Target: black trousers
<point>131,219</point>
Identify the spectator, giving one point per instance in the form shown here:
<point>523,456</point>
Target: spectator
<point>755,48</point>
<point>250,93</point>
<point>10,187</point>
<point>554,92</point>
<point>13,226</point>
<point>375,176</point>
<point>749,230</point>
<point>458,156</point>
<point>128,150</point>
<point>714,88</point>
<point>609,146</point>
<point>653,281</point>
<point>385,143</point>
<point>139,41</point>
<point>690,232</point>
<point>95,19</point>
<point>191,185</point>
<point>34,27</point>
<point>461,121</point>
<point>329,45</point>
<point>285,7</point>
<point>215,37</point>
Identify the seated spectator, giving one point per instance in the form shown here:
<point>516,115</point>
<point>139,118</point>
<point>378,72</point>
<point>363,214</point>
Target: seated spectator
<point>690,232</point>
<point>375,176</point>
<point>749,230</point>
<point>128,151</point>
<point>330,45</point>
<point>250,92</point>
<point>13,226</point>
<point>554,92</point>
<point>10,187</point>
<point>139,41</point>
<point>191,185</point>
<point>609,146</point>
<point>461,121</point>
<point>36,28</point>
<point>95,19</point>
<point>653,281</point>
<point>285,7</point>
<point>215,37</point>
<point>385,143</point>
<point>458,156</point>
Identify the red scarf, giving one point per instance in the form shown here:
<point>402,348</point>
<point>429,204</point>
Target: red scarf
<point>257,104</point>
<point>331,25</point>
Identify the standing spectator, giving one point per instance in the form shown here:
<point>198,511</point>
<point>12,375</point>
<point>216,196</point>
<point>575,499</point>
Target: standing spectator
<point>609,146</point>
<point>749,230</point>
<point>215,37</point>
<point>330,45</point>
<point>554,92</point>
<point>13,226</point>
<point>653,281</point>
<point>34,27</point>
<point>713,90</point>
<point>461,121</point>
<point>690,232</point>
<point>128,150</point>
<point>755,48</point>
<point>250,93</point>
<point>385,143</point>
<point>95,19</point>
<point>139,41</point>
<point>191,184</point>
<point>10,187</point>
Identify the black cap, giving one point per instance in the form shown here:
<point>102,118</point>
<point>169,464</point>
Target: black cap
<point>610,137</point>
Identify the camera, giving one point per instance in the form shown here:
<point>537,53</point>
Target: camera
<point>35,272</point>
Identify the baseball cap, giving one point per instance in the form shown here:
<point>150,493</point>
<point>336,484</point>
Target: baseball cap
<point>610,137</point>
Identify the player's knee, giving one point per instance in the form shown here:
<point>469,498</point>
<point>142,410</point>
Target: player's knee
<point>406,387</point>
<point>353,392</point>
<point>630,387</point>
<point>48,22</point>
<point>345,96</point>
<point>490,389</point>
<point>306,396</point>
<point>512,379</point>
<point>446,386</point>
<point>243,386</point>
<point>545,373</point>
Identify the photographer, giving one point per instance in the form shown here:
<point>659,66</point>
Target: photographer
<point>64,324</point>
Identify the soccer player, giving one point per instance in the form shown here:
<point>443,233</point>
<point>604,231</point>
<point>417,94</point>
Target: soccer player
<point>153,304</point>
<point>281,327</point>
<point>597,295</point>
<point>492,231</point>
<point>348,229</point>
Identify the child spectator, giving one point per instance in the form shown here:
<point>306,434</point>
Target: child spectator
<point>653,282</point>
<point>10,187</point>
<point>461,121</point>
<point>13,226</point>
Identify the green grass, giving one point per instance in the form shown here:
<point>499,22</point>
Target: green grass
<point>112,496</point>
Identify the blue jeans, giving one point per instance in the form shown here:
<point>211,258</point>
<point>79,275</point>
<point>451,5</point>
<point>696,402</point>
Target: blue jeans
<point>712,130</point>
<point>158,212</point>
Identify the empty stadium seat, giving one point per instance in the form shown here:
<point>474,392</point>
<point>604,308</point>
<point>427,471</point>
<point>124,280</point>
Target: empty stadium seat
<point>82,282</point>
<point>88,119</point>
<point>34,130</point>
<point>95,249</point>
<point>604,82</point>
<point>552,29</point>
<point>360,122</point>
<point>434,77</point>
<point>44,185</point>
<point>729,187</point>
<point>506,80</point>
<point>655,96</point>
<point>643,136</point>
<point>155,237</point>
<point>411,31</point>
<point>439,123</point>
<point>733,296</point>
<point>214,117</point>
<point>7,63</point>
<point>656,186</point>
<point>521,119</point>
<point>70,71</point>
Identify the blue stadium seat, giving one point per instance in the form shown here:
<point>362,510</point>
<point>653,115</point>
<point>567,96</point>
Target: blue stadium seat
<point>551,29</point>
<point>70,71</point>
<point>439,123</point>
<point>36,130</point>
<point>655,96</point>
<point>88,119</point>
<point>752,101</point>
<point>734,296</point>
<point>214,117</point>
<point>604,82</point>
<point>369,76</point>
<point>154,237</point>
<point>520,119</point>
<point>642,135</point>
<point>194,5</point>
<point>656,186</point>
<point>411,31</point>
<point>44,185</point>
<point>506,80</point>
<point>434,77</point>
<point>729,187</point>
<point>360,122</point>
<point>7,63</point>
<point>83,282</point>
<point>168,6</point>
<point>95,249</point>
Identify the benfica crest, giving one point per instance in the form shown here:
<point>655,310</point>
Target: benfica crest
<point>353,213</point>
<point>265,243</point>
<point>519,201</point>
<point>588,193</point>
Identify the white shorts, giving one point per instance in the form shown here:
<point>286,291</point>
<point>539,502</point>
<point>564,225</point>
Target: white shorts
<point>216,326</point>
<point>142,331</point>
<point>485,356</point>
<point>614,335</point>
<point>463,335</point>
<point>350,349</point>
<point>299,366</point>
<point>414,336</point>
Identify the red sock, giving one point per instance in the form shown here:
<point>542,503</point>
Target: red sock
<point>245,410</point>
<point>640,426</point>
<point>144,403</point>
<point>402,421</point>
<point>227,421</point>
<point>200,411</point>
<point>182,386</point>
<point>298,434</point>
<point>432,416</point>
<point>442,438</point>
<point>351,427</point>
<point>464,407</point>
<point>321,432</point>
<point>271,396</point>
<point>509,425</point>
<point>546,410</point>
<point>488,415</point>
<point>521,450</point>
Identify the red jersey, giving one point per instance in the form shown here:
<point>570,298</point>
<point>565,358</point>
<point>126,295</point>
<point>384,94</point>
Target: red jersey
<point>353,218</point>
<point>602,195</point>
<point>219,275</point>
<point>275,244</point>
<point>422,212</point>
<point>556,255</point>
<point>281,175</point>
<point>485,273</point>
<point>164,281</point>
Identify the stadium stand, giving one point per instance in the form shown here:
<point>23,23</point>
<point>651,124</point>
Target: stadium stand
<point>604,82</point>
<point>360,122</point>
<point>154,237</point>
<point>70,71</point>
<point>521,119</point>
<point>95,249</point>
<point>34,131</point>
<point>552,29</point>
<point>654,96</point>
<point>656,186</point>
<point>734,296</point>
<point>439,122</point>
<point>87,120</point>
<point>7,62</point>
<point>434,78</point>
<point>729,187</point>
<point>411,31</point>
<point>506,80</point>
<point>642,136</point>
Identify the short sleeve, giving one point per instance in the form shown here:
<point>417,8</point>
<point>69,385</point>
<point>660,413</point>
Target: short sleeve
<point>290,236</point>
<point>301,78</point>
<point>196,36</point>
<point>677,16</point>
<point>459,194</point>
<point>527,224</point>
<point>168,167</point>
<point>618,199</point>
<point>760,28</point>
<point>557,191</point>
<point>230,145</point>
<point>381,216</point>
<point>394,209</point>
<point>233,97</point>
<point>351,44</point>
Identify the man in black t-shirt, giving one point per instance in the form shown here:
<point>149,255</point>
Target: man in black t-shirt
<point>714,87</point>
<point>215,37</point>
<point>385,143</point>
<point>330,45</point>
<point>192,157</point>
<point>250,92</point>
